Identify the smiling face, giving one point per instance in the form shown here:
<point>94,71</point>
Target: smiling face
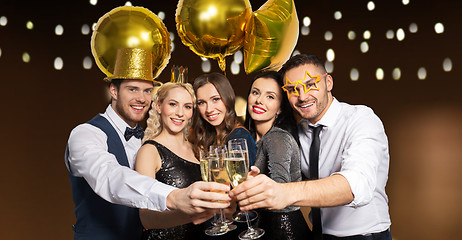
<point>210,105</point>
<point>132,100</point>
<point>264,100</point>
<point>311,105</point>
<point>176,110</point>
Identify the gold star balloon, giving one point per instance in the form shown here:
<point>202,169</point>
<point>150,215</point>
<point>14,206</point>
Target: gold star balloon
<point>130,27</point>
<point>271,36</point>
<point>213,28</point>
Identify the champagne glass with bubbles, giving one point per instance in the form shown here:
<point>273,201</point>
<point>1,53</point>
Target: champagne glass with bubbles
<point>239,216</point>
<point>237,168</point>
<point>206,177</point>
<point>218,174</point>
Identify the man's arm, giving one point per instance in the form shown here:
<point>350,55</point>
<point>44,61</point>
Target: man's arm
<point>89,158</point>
<point>263,192</point>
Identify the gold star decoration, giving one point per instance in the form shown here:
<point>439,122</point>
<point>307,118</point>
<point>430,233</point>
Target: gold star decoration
<point>293,90</point>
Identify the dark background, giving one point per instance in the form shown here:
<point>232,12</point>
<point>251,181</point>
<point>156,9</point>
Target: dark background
<point>422,118</point>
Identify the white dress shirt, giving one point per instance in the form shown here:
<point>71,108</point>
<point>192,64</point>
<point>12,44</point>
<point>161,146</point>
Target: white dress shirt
<point>353,144</point>
<point>88,157</point>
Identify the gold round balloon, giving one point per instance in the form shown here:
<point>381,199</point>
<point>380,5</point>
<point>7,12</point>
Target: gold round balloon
<point>271,36</point>
<point>130,27</point>
<point>213,28</point>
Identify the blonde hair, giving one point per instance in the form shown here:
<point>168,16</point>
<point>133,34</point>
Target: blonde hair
<point>154,123</point>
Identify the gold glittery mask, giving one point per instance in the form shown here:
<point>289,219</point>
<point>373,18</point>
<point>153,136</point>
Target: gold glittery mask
<point>292,90</point>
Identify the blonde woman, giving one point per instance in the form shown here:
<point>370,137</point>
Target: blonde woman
<point>167,156</point>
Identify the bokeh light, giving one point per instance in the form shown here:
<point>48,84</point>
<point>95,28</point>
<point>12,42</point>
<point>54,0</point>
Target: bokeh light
<point>59,30</point>
<point>370,6</point>
<point>240,106</point>
<point>85,30</point>
<point>351,35</point>
<point>3,21</point>
<point>238,57</point>
<point>329,66</point>
<point>58,63</point>
<point>364,46</point>
<point>206,66</point>
<point>354,74</point>
<point>29,25</point>
<point>87,62</point>
<point>439,28</point>
<point>161,15</point>
<point>396,73</point>
<point>25,57</point>
<point>306,21</point>
<point>330,55</point>
<point>235,68</point>
<point>367,34</point>
<point>390,34</point>
<point>379,74</point>
<point>400,35</point>
<point>337,15</point>
<point>447,65</point>
<point>295,53</point>
<point>328,36</point>
<point>422,73</point>
<point>93,2</point>
<point>305,30</point>
<point>413,28</point>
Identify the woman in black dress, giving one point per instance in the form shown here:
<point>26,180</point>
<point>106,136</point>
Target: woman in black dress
<point>270,120</point>
<point>167,156</point>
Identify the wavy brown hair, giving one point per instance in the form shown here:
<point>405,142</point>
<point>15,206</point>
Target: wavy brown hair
<point>205,134</point>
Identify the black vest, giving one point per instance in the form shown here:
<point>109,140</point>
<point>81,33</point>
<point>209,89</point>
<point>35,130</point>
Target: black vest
<point>96,218</point>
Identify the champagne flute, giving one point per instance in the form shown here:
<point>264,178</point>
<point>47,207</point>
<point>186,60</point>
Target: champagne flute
<point>239,216</point>
<point>237,169</point>
<point>218,174</point>
<point>205,174</point>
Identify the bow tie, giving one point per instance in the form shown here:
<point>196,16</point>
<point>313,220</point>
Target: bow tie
<point>137,132</point>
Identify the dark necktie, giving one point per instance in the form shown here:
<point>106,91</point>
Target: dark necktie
<point>137,132</point>
<point>314,174</point>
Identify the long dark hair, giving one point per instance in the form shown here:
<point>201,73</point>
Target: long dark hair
<point>206,134</point>
<point>285,120</point>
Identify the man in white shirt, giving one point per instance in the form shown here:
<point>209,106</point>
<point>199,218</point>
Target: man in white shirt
<point>100,157</point>
<point>353,161</point>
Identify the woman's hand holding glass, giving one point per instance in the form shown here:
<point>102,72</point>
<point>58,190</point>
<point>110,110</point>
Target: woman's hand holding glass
<point>212,170</point>
<point>236,164</point>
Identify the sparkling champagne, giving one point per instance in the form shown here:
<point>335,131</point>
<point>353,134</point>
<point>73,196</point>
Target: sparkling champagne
<point>205,169</point>
<point>236,169</point>
<point>219,175</point>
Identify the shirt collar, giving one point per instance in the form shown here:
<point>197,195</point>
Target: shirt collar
<point>118,122</point>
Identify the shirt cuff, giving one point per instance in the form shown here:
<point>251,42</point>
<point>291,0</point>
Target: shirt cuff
<point>158,196</point>
<point>360,197</point>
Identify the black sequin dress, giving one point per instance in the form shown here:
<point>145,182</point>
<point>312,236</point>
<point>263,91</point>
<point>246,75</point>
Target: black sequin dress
<point>177,172</point>
<point>278,157</point>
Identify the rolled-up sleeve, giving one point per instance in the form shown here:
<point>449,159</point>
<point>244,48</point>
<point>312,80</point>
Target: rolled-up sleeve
<point>366,147</point>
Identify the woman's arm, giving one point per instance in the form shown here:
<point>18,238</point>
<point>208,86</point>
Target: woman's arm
<point>279,151</point>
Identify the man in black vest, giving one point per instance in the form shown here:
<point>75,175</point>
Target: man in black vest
<point>100,157</point>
